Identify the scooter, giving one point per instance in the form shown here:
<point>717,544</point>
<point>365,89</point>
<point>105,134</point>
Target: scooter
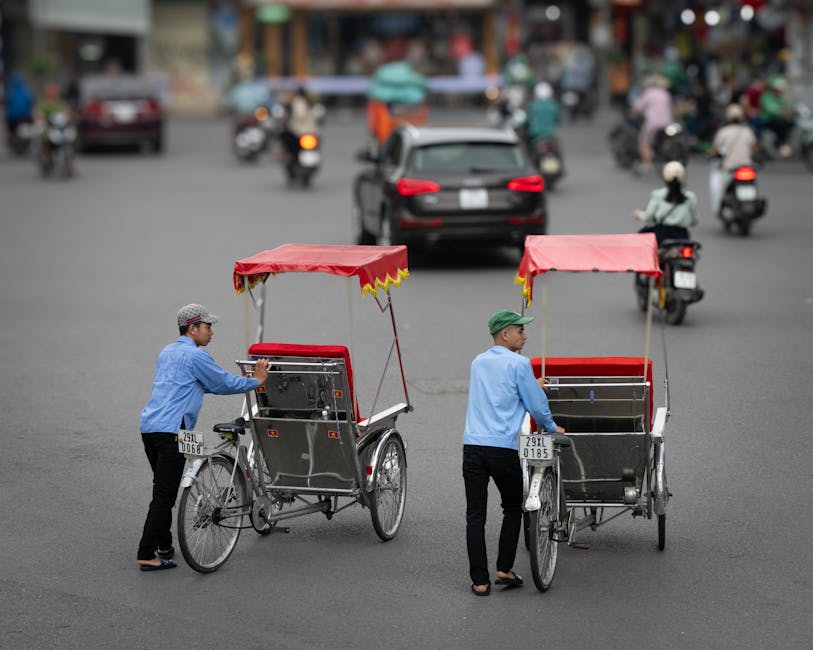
<point>677,288</point>
<point>302,159</point>
<point>741,203</point>
<point>19,140</point>
<point>547,158</point>
<point>252,134</point>
<point>57,152</point>
<point>670,142</point>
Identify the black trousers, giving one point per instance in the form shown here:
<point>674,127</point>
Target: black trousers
<point>167,465</point>
<point>479,464</point>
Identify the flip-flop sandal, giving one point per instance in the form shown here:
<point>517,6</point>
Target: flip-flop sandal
<point>487,592</point>
<point>168,555</point>
<point>165,564</point>
<point>516,581</point>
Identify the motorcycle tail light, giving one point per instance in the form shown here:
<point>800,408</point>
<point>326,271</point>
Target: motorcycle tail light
<point>308,141</point>
<point>412,186</point>
<point>527,184</point>
<point>261,113</point>
<point>687,252</point>
<point>745,174</point>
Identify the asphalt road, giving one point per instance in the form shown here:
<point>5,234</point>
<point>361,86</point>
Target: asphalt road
<point>93,270</point>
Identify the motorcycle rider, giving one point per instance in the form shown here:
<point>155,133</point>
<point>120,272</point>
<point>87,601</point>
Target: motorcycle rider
<point>301,119</point>
<point>776,113</point>
<point>672,209</point>
<point>542,114</point>
<point>19,105</point>
<point>655,104</point>
<point>735,144</point>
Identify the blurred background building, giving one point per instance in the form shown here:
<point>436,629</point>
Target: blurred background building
<point>200,48</point>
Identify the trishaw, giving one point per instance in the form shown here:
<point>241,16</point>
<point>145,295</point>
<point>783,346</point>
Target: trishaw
<point>612,455</point>
<point>309,449</point>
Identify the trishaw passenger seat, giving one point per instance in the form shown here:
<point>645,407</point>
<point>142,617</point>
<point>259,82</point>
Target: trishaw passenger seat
<point>310,351</point>
<point>625,368</point>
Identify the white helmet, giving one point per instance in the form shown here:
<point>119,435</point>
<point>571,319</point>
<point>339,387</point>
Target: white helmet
<point>543,91</point>
<point>673,170</point>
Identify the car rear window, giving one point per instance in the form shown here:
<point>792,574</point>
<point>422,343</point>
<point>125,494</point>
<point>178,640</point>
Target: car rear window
<point>467,157</point>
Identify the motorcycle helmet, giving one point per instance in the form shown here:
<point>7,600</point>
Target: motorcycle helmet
<point>543,91</point>
<point>673,170</point>
<point>733,113</point>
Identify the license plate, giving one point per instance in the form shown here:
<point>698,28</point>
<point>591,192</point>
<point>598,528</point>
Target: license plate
<point>536,447</point>
<point>190,442</point>
<point>550,165</point>
<point>685,280</point>
<point>474,199</point>
<point>309,158</point>
<point>746,192</point>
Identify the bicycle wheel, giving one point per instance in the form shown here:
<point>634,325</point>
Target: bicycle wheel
<point>211,513</point>
<point>544,550</point>
<point>388,495</point>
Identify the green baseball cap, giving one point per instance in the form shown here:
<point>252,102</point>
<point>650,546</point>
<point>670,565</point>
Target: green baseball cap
<point>505,317</point>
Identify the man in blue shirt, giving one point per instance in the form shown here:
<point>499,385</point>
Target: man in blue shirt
<point>183,374</point>
<point>502,389</point>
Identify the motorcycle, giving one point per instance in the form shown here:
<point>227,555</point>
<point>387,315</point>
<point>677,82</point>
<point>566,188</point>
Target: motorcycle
<point>252,134</point>
<point>670,142</point>
<point>547,158</point>
<point>302,158</point>
<point>741,203</point>
<point>58,147</point>
<point>677,288</point>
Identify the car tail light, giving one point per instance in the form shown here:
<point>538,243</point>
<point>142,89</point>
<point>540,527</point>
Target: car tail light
<point>687,252</point>
<point>527,184</point>
<point>308,141</point>
<point>153,106</point>
<point>93,109</point>
<point>411,186</point>
<point>745,174</point>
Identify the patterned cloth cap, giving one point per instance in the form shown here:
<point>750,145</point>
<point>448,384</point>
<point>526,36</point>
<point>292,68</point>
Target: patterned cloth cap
<point>194,313</point>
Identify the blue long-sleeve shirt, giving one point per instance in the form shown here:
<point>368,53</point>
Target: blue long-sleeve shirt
<point>502,389</point>
<point>183,374</point>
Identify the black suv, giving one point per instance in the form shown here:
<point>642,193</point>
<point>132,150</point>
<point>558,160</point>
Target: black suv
<point>450,184</point>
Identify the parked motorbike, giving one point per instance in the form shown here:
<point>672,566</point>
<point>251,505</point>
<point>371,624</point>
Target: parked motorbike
<point>677,288</point>
<point>799,141</point>
<point>741,203</point>
<point>58,146</point>
<point>547,158</point>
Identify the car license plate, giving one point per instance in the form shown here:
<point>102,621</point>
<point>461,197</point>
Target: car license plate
<point>309,158</point>
<point>474,199</point>
<point>550,165</point>
<point>124,112</point>
<point>536,447</point>
<point>190,442</point>
<point>746,192</point>
<point>685,280</point>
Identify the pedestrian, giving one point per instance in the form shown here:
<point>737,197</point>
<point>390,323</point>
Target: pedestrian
<point>502,389</point>
<point>184,373</point>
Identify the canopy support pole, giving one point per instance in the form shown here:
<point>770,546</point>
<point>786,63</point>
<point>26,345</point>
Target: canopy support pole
<point>261,306</point>
<point>398,348</point>
<point>650,283</point>
<point>543,329</point>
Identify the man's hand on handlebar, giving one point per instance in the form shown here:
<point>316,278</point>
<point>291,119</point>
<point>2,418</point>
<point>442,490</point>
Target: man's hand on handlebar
<point>560,430</point>
<point>261,371</point>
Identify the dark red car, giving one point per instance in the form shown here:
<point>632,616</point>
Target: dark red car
<point>120,110</point>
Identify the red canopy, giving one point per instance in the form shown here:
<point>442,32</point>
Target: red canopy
<point>630,253</point>
<point>376,266</point>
